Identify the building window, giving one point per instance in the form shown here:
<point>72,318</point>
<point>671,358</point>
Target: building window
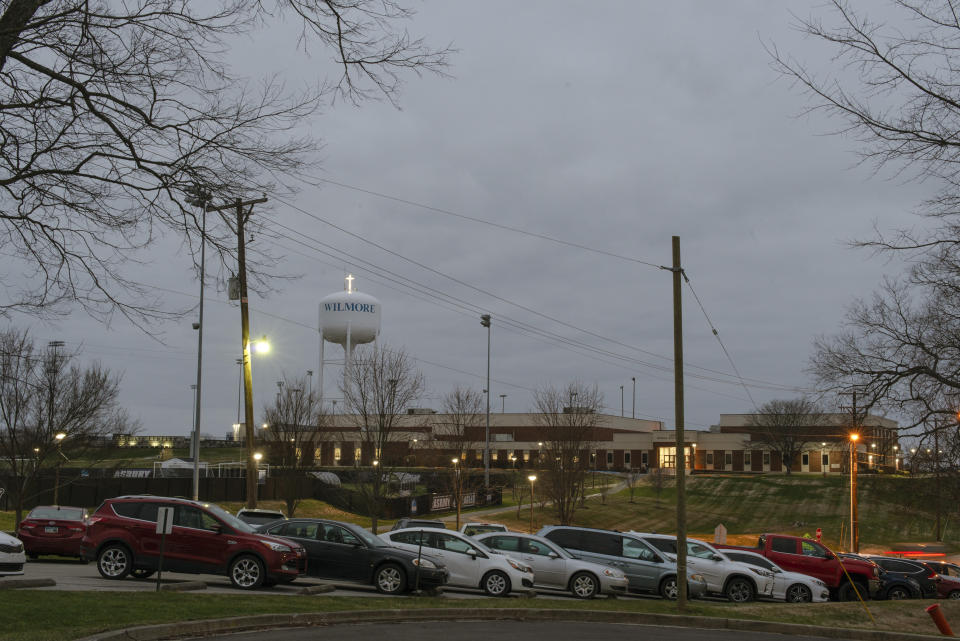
<point>357,454</point>
<point>668,456</point>
<point>493,455</point>
<point>766,458</point>
<point>626,459</point>
<point>336,454</point>
<point>609,458</point>
<point>526,456</point>
<point>643,459</point>
<point>746,458</point>
<point>709,458</point>
<point>825,460</point>
<point>805,459</point>
<point>728,459</point>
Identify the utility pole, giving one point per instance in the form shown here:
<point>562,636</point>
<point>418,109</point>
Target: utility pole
<point>242,217</point>
<point>936,473</point>
<point>680,459</point>
<point>485,321</point>
<point>633,412</point>
<point>53,371</point>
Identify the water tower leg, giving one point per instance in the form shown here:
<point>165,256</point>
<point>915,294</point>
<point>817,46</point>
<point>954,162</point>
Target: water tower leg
<point>320,380</point>
<point>348,358</point>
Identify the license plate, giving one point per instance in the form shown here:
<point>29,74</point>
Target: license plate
<point>51,530</point>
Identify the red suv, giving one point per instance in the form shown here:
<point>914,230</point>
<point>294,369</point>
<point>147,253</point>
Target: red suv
<point>121,536</point>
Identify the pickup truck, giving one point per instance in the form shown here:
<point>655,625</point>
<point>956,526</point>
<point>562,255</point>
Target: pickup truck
<point>797,554</point>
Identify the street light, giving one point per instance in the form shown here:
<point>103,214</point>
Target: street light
<point>532,478</point>
<point>200,197</point>
<point>485,322</point>
<point>456,487</point>
<point>854,525</point>
<point>56,485</point>
<point>262,346</point>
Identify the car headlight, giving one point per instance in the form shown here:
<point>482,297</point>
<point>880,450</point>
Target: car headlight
<point>820,583</point>
<point>516,565</point>
<point>425,563</point>
<point>698,578</point>
<point>276,547</point>
<point>614,574</point>
<point>765,573</point>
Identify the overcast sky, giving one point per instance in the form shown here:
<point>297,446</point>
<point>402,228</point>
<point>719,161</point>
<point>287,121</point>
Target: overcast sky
<point>611,125</point>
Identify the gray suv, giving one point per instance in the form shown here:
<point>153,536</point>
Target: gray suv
<point>646,570</point>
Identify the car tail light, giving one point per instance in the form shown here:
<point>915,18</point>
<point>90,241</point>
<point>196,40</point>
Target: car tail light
<point>94,519</point>
<point>26,525</point>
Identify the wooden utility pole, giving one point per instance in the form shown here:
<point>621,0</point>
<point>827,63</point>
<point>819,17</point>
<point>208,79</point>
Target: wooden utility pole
<point>242,217</point>
<point>680,460</point>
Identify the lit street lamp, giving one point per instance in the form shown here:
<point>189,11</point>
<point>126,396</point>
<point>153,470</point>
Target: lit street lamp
<point>854,525</point>
<point>532,478</point>
<point>56,484</point>
<point>485,322</point>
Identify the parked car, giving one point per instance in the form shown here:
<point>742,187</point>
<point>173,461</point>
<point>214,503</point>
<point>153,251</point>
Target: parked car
<point>259,516</point>
<point>121,536</point>
<point>916,570</point>
<point>475,528</point>
<point>646,570</point>
<point>12,556</point>
<point>791,587</point>
<point>738,582</point>
<point>53,529</point>
<point>948,587</point>
<point>555,568</point>
<point>409,522</point>
<point>797,554</point>
<point>894,586</point>
<point>944,568</point>
<point>471,563</point>
<point>343,551</point>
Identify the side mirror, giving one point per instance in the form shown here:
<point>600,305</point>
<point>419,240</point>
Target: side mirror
<point>716,557</point>
<point>657,559</point>
<point>472,554</point>
<point>554,555</point>
<point>216,528</point>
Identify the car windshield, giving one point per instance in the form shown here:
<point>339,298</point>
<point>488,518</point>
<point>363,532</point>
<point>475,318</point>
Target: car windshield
<point>472,530</point>
<point>229,519</point>
<point>61,513</point>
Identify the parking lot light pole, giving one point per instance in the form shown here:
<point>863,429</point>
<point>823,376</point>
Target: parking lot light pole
<point>485,321</point>
<point>854,524</point>
<point>532,478</point>
<point>56,482</point>
<point>456,487</point>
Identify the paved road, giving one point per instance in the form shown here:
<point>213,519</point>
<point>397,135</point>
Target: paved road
<point>503,631</point>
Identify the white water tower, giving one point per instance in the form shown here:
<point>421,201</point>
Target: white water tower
<point>348,318</point>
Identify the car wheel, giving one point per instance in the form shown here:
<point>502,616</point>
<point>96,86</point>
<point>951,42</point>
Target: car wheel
<point>899,592</point>
<point>247,572</point>
<point>584,585</point>
<point>142,573</point>
<point>954,595</point>
<point>799,593</point>
<point>390,579</point>
<point>849,593</point>
<point>496,583</point>
<point>669,589</point>
<point>114,561</point>
<point>739,590</point>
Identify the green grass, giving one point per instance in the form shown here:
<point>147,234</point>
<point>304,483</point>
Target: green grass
<point>80,614</point>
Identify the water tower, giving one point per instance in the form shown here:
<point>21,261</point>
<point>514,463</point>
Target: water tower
<point>348,318</point>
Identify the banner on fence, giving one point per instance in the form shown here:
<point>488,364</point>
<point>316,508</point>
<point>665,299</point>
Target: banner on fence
<point>441,502</point>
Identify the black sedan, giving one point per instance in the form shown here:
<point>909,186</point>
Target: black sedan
<point>346,552</point>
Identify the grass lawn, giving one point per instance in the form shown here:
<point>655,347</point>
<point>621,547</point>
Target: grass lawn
<point>80,614</point>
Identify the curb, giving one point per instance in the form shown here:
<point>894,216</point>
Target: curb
<point>318,589</point>
<point>183,586</point>
<point>300,620</point>
<point>16,584</point>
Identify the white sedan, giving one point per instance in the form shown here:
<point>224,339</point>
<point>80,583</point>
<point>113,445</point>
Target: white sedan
<point>471,563</point>
<point>12,556</point>
<point>791,587</point>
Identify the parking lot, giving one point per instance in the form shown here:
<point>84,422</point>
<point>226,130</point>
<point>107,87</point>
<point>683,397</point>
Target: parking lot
<point>73,575</point>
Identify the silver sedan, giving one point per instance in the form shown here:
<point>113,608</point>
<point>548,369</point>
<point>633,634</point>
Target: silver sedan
<point>554,568</point>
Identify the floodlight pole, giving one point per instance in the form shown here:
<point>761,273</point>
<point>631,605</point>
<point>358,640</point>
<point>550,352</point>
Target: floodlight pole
<point>485,321</point>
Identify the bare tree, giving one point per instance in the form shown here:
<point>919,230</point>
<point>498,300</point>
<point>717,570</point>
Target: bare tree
<point>786,427</point>
<point>657,480</point>
<point>296,423</point>
<point>111,110</point>
<point>379,383</point>
<point>900,99</point>
<point>43,394</point>
<point>567,420</point>
<point>458,429</point>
